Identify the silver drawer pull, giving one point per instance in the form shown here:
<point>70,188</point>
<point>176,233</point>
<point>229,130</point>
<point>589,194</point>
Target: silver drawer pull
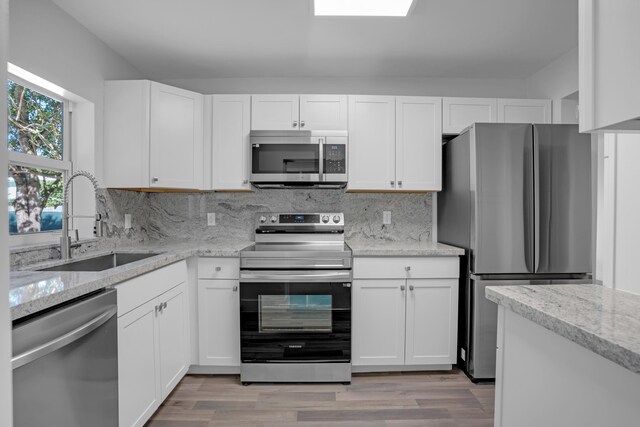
<point>393,183</point>
<point>410,287</point>
<point>235,289</point>
<point>407,268</point>
<point>218,268</point>
<point>164,304</point>
<point>402,288</point>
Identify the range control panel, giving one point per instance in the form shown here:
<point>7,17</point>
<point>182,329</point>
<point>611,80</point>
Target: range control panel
<point>287,219</point>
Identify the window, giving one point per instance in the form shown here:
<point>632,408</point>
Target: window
<point>38,157</point>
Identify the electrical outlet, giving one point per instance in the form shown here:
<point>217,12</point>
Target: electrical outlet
<point>127,221</point>
<point>386,217</point>
<point>211,218</point>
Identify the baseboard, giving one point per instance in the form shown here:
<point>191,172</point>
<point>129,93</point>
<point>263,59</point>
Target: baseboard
<point>213,370</point>
<point>400,368</point>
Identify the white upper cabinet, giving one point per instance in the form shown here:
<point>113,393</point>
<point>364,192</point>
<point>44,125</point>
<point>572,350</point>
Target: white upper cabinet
<point>524,111</point>
<point>275,112</point>
<point>299,112</point>
<point>153,136</point>
<point>418,143</point>
<point>372,148</point>
<point>609,66</point>
<point>395,144</point>
<point>323,112</point>
<point>231,124</point>
<point>459,113</point>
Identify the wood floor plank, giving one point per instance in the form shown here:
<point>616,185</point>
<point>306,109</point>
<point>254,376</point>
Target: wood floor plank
<point>425,399</point>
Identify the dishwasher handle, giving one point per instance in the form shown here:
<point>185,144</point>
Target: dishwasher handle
<point>64,340</point>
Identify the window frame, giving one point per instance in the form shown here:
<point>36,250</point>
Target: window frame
<point>29,160</point>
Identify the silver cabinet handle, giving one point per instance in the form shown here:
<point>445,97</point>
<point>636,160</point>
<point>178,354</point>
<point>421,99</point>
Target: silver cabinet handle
<point>64,340</point>
<point>400,184</point>
<point>235,289</point>
<point>302,123</point>
<point>164,304</point>
<point>402,287</point>
<point>154,179</point>
<point>393,183</point>
<point>218,268</point>
<point>407,268</point>
<point>246,181</point>
<point>160,308</point>
<point>410,287</point>
<point>295,123</point>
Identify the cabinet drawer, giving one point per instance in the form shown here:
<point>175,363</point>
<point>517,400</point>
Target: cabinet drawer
<point>218,268</point>
<point>433,267</point>
<point>135,292</point>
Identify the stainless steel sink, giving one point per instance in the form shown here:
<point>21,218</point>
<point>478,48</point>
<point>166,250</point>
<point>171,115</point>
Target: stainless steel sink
<point>103,262</point>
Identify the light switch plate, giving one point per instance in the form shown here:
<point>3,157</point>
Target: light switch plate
<point>386,217</point>
<point>127,221</point>
<point>211,218</point>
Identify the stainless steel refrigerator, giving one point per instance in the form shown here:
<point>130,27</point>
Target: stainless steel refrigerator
<point>518,198</point>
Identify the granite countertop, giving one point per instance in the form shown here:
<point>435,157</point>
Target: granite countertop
<point>603,320</point>
<point>384,248</point>
<point>32,291</point>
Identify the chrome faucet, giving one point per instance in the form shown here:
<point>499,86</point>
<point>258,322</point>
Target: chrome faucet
<point>65,240</point>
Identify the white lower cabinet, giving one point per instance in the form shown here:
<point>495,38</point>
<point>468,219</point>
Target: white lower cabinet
<point>152,341</point>
<point>219,312</point>
<point>408,320</point>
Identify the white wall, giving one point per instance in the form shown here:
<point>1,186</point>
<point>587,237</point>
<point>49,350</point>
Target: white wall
<point>619,226</point>
<point>6,406</point>
<point>490,88</point>
<point>47,42</point>
<point>556,81</point>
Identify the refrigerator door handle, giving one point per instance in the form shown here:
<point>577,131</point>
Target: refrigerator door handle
<point>536,200</point>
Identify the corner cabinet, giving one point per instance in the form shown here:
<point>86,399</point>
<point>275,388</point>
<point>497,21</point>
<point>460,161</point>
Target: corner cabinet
<point>219,313</point>
<point>152,341</point>
<point>405,313</point>
<point>395,143</point>
<point>153,136</point>
<point>298,112</point>
<point>609,66</point>
<point>230,128</point>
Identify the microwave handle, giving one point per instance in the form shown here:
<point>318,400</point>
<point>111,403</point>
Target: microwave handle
<point>321,159</point>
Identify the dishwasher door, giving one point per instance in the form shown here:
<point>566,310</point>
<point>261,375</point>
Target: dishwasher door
<point>65,365</point>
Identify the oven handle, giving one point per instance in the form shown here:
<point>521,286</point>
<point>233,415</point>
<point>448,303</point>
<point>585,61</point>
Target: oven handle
<point>297,276</point>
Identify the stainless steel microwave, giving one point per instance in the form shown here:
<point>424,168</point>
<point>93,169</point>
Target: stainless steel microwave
<point>299,159</point>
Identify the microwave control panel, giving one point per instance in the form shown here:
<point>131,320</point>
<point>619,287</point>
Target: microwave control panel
<point>335,158</point>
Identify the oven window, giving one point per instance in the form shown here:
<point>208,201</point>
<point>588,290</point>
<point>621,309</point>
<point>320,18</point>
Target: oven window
<point>294,313</point>
<point>285,158</point>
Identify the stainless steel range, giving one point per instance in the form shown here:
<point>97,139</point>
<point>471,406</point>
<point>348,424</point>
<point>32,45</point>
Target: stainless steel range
<point>295,300</point>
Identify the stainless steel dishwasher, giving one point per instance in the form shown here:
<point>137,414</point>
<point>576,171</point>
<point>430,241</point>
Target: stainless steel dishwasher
<point>65,365</point>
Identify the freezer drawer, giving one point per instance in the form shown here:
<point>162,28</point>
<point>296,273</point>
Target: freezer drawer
<point>481,364</point>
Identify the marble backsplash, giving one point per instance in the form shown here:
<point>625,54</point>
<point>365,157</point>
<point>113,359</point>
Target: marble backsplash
<point>183,216</point>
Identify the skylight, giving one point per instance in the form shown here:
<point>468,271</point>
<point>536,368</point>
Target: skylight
<point>362,7</point>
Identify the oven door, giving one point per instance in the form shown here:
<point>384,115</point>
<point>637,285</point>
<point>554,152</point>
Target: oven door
<point>303,317</point>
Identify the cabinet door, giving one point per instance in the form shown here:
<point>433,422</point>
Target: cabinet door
<point>176,138</point>
<point>372,145</point>
<point>275,112</point>
<point>378,325</point>
<point>219,322</point>
<point>323,112</point>
<point>138,365</point>
<point>432,321</point>
<point>230,137</point>
<point>419,143</point>
<point>459,113</point>
<point>524,111</point>
<point>609,65</point>
<point>173,338</point>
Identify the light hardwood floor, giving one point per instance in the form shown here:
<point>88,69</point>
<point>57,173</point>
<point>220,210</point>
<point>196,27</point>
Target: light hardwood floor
<point>430,399</point>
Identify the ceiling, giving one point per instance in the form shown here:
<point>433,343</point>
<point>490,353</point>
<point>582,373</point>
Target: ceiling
<point>189,39</point>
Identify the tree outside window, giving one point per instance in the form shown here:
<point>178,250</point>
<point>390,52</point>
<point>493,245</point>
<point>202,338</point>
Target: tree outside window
<point>37,160</point>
